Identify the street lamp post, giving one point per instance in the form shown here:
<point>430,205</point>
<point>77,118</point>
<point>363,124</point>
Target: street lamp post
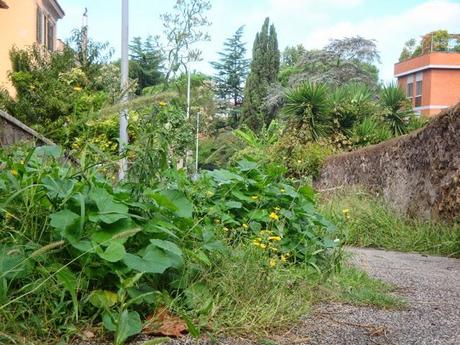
<point>124,89</point>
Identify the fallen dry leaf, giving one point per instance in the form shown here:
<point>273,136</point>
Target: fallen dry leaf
<point>163,323</point>
<point>88,334</point>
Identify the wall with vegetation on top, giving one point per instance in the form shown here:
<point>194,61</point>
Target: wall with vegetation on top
<point>13,131</point>
<point>418,173</point>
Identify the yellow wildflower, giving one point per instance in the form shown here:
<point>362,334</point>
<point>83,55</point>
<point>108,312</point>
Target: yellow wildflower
<point>284,257</point>
<point>254,197</point>
<point>77,88</point>
<point>162,104</point>
<point>265,232</point>
<point>299,161</point>
<point>274,238</point>
<point>274,216</point>
<point>225,228</point>
<point>346,213</point>
<point>245,226</point>
<point>282,190</point>
<point>272,262</point>
<point>257,243</point>
<point>14,172</point>
<point>277,208</point>
<point>273,249</point>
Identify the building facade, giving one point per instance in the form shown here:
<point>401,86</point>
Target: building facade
<point>24,23</point>
<point>431,81</point>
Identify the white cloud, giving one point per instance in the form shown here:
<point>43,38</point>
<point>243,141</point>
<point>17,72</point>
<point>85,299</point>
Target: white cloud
<point>392,31</point>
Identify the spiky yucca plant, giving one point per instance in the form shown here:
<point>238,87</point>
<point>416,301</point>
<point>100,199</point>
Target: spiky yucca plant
<point>398,109</point>
<point>307,107</point>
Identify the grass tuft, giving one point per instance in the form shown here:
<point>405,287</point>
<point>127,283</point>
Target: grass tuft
<point>366,221</point>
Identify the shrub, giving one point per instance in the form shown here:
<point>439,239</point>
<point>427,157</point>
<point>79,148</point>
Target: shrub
<point>308,109</point>
<point>301,160</point>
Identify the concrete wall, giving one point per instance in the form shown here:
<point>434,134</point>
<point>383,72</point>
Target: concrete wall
<point>418,173</point>
<point>13,131</point>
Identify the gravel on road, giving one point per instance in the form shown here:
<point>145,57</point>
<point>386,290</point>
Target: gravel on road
<point>430,285</point>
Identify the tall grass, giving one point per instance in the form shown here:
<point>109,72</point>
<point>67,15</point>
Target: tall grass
<point>366,221</point>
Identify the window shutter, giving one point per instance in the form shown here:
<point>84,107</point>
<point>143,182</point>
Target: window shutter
<point>39,26</point>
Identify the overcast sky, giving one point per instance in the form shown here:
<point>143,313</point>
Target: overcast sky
<point>310,22</point>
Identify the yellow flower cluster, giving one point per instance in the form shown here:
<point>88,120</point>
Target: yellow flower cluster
<point>274,216</point>
<point>346,213</point>
<point>259,244</point>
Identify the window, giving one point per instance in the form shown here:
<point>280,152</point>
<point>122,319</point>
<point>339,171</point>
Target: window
<point>40,27</point>
<point>50,35</point>
<point>418,89</point>
<point>45,30</point>
<point>410,87</point>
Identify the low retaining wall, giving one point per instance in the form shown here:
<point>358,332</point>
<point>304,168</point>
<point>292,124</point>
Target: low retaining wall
<point>418,173</point>
<point>13,131</point>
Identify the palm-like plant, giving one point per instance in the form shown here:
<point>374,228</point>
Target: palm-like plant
<point>398,109</point>
<point>351,103</point>
<point>308,108</point>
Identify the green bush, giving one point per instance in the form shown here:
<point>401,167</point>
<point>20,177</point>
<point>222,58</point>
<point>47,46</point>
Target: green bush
<point>112,254</point>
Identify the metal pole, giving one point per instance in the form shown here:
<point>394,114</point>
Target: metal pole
<point>188,94</point>
<point>197,142</point>
<point>124,88</point>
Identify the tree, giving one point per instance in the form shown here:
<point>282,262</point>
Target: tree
<point>183,28</point>
<point>292,55</point>
<point>264,71</point>
<point>232,69</point>
<point>89,54</point>
<point>145,63</point>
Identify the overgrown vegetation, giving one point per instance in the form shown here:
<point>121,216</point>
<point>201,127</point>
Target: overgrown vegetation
<point>366,221</point>
<point>239,248</point>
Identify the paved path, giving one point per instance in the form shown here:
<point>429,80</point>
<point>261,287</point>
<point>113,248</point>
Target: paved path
<point>431,287</point>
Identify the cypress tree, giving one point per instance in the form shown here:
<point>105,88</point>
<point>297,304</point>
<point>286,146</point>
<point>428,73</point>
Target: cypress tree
<point>264,71</point>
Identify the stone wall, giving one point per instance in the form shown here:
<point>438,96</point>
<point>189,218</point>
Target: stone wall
<point>14,131</point>
<point>418,173</point>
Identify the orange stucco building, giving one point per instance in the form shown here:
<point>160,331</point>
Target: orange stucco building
<point>24,23</point>
<point>431,81</point>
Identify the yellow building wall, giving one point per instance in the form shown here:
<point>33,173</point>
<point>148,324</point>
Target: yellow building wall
<point>17,28</point>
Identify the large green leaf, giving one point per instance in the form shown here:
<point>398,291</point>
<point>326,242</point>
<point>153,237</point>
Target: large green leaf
<point>183,207</point>
<point>157,264</point>
<point>168,246</point>
<point>11,262</point>
<point>233,204</point>
<point>110,211</point>
<point>63,219</point>
<point>129,324</point>
<point>224,176</point>
<point>58,188</point>
<point>246,165</point>
<point>113,253</point>
<point>103,299</point>
<point>157,258</point>
<point>108,231</point>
